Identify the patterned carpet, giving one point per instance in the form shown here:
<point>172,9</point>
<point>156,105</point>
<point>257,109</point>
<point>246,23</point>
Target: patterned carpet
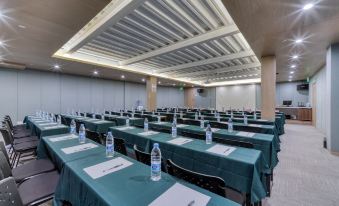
<point>307,174</point>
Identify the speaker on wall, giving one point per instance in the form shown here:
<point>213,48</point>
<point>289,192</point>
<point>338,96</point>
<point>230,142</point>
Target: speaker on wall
<point>200,90</point>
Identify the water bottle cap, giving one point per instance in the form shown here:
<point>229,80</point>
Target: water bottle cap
<point>156,145</point>
<point>109,133</point>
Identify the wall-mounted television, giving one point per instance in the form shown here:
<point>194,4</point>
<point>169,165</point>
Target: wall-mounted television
<point>301,87</point>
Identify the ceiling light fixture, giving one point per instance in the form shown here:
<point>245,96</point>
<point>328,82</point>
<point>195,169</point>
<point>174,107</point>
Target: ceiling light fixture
<point>298,41</point>
<point>159,82</point>
<point>293,66</point>
<point>291,72</point>
<point>290,80</point>
<point>95,73</point>
<point>295,57</point>
<point>56,66</point>
<point>143,79</point>
<point>122,76</point>
<point>308,6</point>
<point>22,26</point>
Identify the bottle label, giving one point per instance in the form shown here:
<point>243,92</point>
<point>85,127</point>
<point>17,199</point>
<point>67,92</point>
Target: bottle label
<point>109,148</point>
<point>156,167</point>
<point>209,136</point>
<point>174,132</point>
<point>82,135</point>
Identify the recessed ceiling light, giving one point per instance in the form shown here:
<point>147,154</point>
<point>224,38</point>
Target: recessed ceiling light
<point>56,66</point>
<point>95,72</point>
<point>298,41</point>
<point>22,26</point>
<point>122,76</point>
<point>290,80</point>
<point>295,57</point>
<point>173,84</point>
<point>159,82</point>
<point>143,79</point>
<point>2,43</point>
<point>308,6</point>
<point>291,72</point>
<point>293,66</point>
<point>290,77</point>
<point>184,84</point>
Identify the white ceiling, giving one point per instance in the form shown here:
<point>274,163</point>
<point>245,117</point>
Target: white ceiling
<point>185,40</point>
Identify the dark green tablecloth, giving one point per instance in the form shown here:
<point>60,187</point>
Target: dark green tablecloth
<point>242,169</point>
<point>129,186</point>
<point>96,125</point>
<point>39,129</point>
<point>266,143</point>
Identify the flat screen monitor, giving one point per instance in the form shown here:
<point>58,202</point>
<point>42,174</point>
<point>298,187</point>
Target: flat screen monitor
<point>287,102</point>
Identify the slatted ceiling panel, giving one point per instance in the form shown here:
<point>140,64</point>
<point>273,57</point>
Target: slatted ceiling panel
<point>173,37</point>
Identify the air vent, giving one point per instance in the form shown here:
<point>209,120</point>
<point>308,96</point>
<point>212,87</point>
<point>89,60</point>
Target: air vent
<point>12,65</point>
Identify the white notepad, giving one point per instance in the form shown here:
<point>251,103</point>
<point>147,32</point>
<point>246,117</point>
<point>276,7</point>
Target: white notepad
<point>255,125</point>
<point>54,127</point>
<point>40,121</point>
<point>180,141</point>
<point>221,149</point>
<point>182,125</point>
<point>213,129</point>
<point>262,120</point>
<point>246,134</point>
<point>62,138</point>
<point>180,195</point>
<point>48,124</point>
<point>161,123</point>
<point>102,169</point>
<point>78,148</point>
<point>148,133</point>
<point>102,121</point>
<point>125,128</point>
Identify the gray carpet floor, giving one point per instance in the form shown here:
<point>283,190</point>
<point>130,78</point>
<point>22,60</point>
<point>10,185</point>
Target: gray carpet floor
<point>307,174</point>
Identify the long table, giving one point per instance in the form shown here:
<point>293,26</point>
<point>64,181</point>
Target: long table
<point>243,169</point>
<point>41,127</point>
<point>95,125</point>
<point>129,186</point>
<point>266,143</point>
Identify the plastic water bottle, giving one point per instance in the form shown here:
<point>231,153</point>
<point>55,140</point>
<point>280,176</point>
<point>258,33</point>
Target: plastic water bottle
<point>103,116</point>
<point>146,125</point>
<point>174,128</point>
<point>85,114</point>
<point>82,134</point>
<point>142,112</point>
<point>121,114</point>
<point>109,145</point>
<point>93,116</point>
<point>156,163</point>
<point>59,120</point>
<point>181,114</point>
<point>159,119</point>
<point>245,119</point>
<point>232,116</point>
<point>255,115</point>
<point>218,117</point>
<point>153,112</point>
<point>72,127</point>
<point>202,123</point>
<point>230,125</point>
<point>196,116</point>
<point>127,121</point>
<point>208,134</point>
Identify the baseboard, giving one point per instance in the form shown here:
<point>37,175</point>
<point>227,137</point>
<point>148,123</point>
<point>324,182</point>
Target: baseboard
<point>334,153</point>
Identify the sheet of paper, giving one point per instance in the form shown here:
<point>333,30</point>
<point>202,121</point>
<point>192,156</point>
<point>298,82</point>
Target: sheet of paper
<point>78,148</point>
<point>246,134</point>
<point>54,127</point>
<point>180,195</point>
<point>62,138</point>
<point>40,121</point>
<point>180,141</point>
<point>213,129</point>
<point>102,121</point>
<point>148,133</point>
<point>262,120</point>
<point>105,168</point>
<point>48,124</point>
<point>182,125</point>
<point>221,149</point>
<point>255,125</point>
<point>125,128</point>
<point>161,123</point>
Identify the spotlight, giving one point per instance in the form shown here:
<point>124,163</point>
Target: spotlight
<point>308,6</point>
<point>291,72</point>
<point>298,41</point>
<point>95,72</point>
<point>56,66</point>
<point>143,80</point>
<point>295,57</point>
<point>293,66</point>
<point>122,76</point>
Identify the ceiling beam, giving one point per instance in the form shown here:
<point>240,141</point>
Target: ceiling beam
<point>209,61</point>
<point>121,8</point>
<point>218,33</point>
<point>228,75</point>
<point>220,70</point>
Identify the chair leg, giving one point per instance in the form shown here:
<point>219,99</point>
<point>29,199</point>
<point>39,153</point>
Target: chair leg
<point>17,162</point>
<point>13,159</point>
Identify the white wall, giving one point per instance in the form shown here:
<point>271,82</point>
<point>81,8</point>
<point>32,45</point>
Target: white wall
<point>206,99</point>
<point>288,91</point>
<point>320,80</point>
<point>23,92</point>
<point>170,97</point>
<point>236,96</point>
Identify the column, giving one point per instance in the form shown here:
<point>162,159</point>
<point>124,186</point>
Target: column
<point>151,91</point>
<point>189,97</point>
<point>332,101</point>
<point>268,81</point>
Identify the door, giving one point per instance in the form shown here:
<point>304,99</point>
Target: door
<point>314,104</point>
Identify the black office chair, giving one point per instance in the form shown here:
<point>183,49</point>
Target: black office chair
<point>192,122</point>
<point>236,143</point>
<point>96,137</point>
<point>208,182</point>
<point>119,146</point>
<point>77,125</point>
<point>145,158</point>
<point>218,125</point>
<point>162,129</point>
<point>193,135</point>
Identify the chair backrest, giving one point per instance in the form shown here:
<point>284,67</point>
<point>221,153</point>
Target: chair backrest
<point>234,142</point>
<point>3,149</point>
<point>8,121</point>
<point>9,193</point>
<point>218,125</point>
<point>6,136</point>
<point>193,135</point>
<point>119,146</point>
<point>192,122</point>
<point>7,124</point>
<point>96,137</point>
<point>142,156</point>
<point>4,167</point>
<point>211,183</point>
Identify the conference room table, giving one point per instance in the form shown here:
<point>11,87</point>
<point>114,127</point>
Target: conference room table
<point>121,120</point>
<point>88,177</point>
<point>242,169</point>
<point>92,124</point>
<point>41,127</point>
<point>266,143</point>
